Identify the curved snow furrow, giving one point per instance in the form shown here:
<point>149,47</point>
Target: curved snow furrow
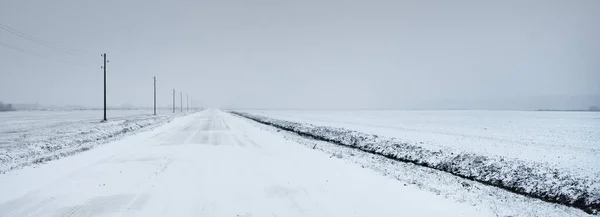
<point>527,178</point>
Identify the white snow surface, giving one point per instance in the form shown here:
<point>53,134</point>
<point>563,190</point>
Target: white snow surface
<point>566,185</point>
<point>213,164</point>
<point>500,202</point>
<point>569,140</point>
<point>29,137</point>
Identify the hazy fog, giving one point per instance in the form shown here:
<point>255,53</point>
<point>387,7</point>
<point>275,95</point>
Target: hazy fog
<point>518,54</point>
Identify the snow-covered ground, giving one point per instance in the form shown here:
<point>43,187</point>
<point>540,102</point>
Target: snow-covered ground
<point>31,119</point>
<point>28,137</point>
<point>498,201</point>
<point>563,139</point>
<point>574,184</point>
<point>213,164</point>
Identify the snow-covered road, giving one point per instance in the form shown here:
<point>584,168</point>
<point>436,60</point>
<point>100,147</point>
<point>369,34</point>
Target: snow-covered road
<point>212,164</point>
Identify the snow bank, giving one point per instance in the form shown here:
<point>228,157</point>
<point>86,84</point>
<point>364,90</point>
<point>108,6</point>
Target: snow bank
<point>527,178</point>
<point>32,145</point>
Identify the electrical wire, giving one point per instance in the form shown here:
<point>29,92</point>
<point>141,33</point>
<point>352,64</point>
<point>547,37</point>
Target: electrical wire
<point>31,38</point>
<point>37,55</point>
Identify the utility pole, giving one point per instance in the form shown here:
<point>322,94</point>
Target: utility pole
<point>181,101</point>
<point>104,67</point>
<point>173,100</point>
<point>188,102</point>
<point>154,95</point>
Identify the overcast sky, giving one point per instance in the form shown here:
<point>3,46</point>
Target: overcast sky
<point>516,54</point>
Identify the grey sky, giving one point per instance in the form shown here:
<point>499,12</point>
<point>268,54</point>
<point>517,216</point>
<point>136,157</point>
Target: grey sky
<point>306,53</point>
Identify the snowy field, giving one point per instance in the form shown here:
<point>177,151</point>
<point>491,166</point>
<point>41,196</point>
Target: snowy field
<point>563,139</point>
<point>550,155</point>
<point>215,164</point>
<point>481,196</point>
<point>29,137</point>
<point>25,119</point>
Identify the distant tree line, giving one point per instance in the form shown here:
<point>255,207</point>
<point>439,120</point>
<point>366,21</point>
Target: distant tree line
<point>591,109</point>
<point>6,107</point>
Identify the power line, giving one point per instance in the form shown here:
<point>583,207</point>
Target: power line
<point>37,55</point>
<point>104,68</point>
<point>31,38</point>
<point>154,95</point>
<point>39,41</point>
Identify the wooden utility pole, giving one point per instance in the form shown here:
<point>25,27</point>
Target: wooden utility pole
<point>173,100</point>
<point>154,95</point>
<point>104,67</point>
